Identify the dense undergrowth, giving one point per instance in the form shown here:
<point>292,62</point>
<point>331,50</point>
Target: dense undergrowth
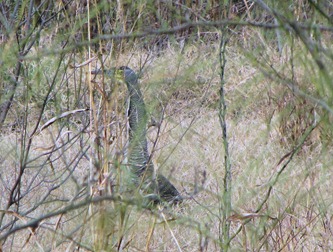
<point>64,180</point>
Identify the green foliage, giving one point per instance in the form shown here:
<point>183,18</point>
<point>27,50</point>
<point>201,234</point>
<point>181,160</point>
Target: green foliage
<point>63,177</point>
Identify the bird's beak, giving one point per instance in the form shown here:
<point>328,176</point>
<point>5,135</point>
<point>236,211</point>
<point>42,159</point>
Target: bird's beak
<point>109,72</point>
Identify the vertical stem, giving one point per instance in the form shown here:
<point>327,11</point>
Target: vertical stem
<point>91,128</point>
<point>92,106</point>
<point>95,155</point>
<point>225,207</point>
<point>278,36</point>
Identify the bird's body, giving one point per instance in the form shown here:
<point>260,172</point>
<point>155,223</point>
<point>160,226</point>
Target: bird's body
<point>157,186</point>
<point>138,155</point>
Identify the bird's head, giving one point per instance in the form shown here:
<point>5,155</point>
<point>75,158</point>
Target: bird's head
<point>122,74</point>
<point>127,75</point>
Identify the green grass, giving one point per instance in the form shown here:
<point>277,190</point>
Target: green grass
<point>189,150</point>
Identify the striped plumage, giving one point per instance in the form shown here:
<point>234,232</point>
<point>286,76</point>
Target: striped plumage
<point>156,186</point>
<point>138,156</point>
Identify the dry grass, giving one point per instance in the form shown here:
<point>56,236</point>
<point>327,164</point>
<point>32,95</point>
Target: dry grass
<point>189,150</point>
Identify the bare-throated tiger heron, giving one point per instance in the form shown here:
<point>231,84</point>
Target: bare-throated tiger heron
<point>159,187</point>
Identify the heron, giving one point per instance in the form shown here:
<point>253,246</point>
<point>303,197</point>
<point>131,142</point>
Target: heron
<point>158,188</point>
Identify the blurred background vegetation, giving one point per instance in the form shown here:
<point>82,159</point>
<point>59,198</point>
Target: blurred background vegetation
<point>63,131</point>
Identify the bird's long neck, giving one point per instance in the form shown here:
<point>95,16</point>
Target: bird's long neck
<point>138,157</point>
<point>138,148</point>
